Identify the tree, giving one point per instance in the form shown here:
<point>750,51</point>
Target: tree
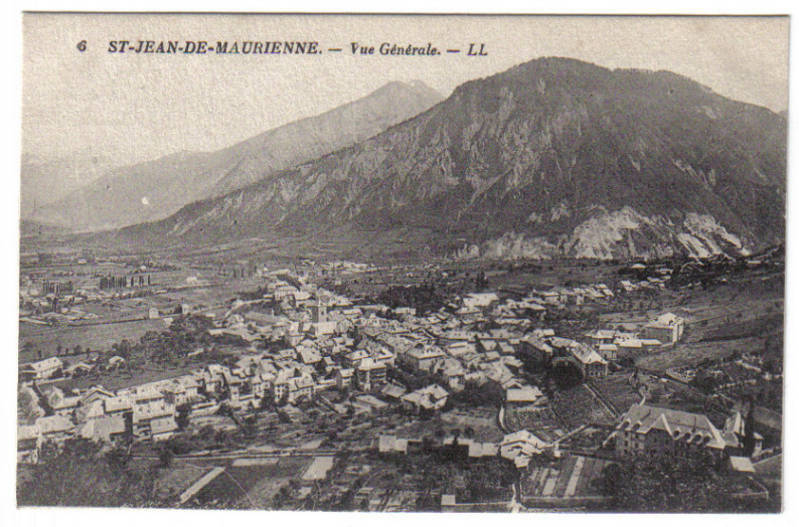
<point>669,485</point>
<point>206,434</point>
<point>704,381</point>
<point>118,458</point>
<point>165,455</point>
<point>122,349</point>
<point>28,409</point>
<point>182,416</point>
<point>80,474</point>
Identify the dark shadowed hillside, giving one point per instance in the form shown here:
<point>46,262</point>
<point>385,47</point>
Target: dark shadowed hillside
<point>552,157</point>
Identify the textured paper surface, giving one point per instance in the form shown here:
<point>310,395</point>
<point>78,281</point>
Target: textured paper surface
<point>402,262</point>
<point>146,106</point>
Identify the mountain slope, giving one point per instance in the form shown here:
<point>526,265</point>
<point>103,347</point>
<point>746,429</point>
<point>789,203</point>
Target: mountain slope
<point>552,157</point>
<point>153,190</point>
<point>48,178</point>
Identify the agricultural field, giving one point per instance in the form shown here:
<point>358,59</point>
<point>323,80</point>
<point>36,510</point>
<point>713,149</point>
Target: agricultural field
<point>251,485</point>
<point>691,354</point>
<point>565,479</point>
<point>177,478</point>
<point>618,391</point>
<point>577,406</point>
<point>541,422</point>
<point>49,339</point>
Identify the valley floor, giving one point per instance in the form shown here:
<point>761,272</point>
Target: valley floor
<point>259,404</point>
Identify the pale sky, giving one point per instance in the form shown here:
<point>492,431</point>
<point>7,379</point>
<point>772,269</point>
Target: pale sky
<point>136,107</point>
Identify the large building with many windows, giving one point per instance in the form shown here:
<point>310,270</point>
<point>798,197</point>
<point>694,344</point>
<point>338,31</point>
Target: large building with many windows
<point>647,430</point>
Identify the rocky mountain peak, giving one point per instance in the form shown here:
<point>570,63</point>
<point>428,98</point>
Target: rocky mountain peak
<point>554,157</point>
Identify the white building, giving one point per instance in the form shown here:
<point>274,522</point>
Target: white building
<point>667,328</point>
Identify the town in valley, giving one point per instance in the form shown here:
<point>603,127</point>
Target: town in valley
<point>453,385</point>
<point>386,276</point>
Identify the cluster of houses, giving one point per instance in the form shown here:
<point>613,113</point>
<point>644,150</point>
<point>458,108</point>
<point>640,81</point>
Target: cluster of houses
<point>518,447</point>
<point>145,411</point>
<point>643,431</point>
<point>299,340</point>
<point>660,333</point>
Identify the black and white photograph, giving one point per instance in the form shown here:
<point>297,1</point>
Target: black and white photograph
<point>401,263</point>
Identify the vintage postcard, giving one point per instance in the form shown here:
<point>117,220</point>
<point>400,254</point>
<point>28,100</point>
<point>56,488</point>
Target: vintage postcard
<point>402,262</point>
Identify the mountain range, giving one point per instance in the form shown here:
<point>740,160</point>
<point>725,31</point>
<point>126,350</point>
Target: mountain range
<point>155,189</point>
<point>48,178</point>
<point>554,157</point>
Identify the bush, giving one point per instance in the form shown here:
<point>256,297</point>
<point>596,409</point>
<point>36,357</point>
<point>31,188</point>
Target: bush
<point>79,474</point>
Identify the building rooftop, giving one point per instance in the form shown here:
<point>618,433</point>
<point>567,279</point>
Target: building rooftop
<point>680,425</point>
<point>523,395</point>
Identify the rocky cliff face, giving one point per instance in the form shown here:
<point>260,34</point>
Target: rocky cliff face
<point>552,157</point>
<point>154,190</point>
